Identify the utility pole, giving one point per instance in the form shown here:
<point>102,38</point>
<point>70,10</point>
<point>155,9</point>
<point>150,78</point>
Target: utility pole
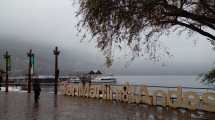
<point>31,57</point>
<point>7,67</point>
<point>56,53</point>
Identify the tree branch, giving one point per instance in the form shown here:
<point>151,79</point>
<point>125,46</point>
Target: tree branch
<point>182,13</point>
<point>210,22</point>
<point>194,28</point>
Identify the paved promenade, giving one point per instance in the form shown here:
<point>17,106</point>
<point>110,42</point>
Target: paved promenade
<point>20,106</point>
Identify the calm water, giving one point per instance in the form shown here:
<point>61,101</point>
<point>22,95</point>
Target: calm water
<point>185,81</point>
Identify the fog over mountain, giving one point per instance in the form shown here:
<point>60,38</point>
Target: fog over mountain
<point>41,25</point>
<point>71,60</point>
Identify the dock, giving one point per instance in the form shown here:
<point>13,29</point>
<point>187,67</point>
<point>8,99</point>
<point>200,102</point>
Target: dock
<point>21,106</point>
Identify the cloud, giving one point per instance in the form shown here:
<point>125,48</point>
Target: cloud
<point>43,24</point>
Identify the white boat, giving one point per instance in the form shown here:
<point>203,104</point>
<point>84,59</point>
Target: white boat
<point>104,79</point>
<point>74,79</point>
<point>95,79</point>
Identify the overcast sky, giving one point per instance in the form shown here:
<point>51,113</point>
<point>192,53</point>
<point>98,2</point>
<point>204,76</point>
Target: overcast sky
<point>43,24</point>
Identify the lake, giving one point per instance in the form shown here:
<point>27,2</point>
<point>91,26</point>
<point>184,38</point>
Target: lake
<point>164,80</point>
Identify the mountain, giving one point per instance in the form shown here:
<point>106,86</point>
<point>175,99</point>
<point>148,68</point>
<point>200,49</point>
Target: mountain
<point>69,60</point>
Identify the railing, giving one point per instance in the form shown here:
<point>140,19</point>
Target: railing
<point>135,85</point>
<point>166,87</point>
<point>151,88</point>
<point>25,84</point>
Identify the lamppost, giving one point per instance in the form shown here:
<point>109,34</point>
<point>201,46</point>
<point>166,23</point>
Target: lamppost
<point>30,67</point>
<point>56,52</point>
<point>1,77</point>
<point>7,67</point>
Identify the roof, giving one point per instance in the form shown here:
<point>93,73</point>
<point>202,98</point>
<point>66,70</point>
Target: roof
<point>91,72</point>
<point>98,72</point>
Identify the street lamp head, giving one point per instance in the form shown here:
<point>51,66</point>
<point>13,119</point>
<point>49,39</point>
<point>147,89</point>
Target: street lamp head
<point>6,55</point>
<point>56,51</point>
<point>30,54</point>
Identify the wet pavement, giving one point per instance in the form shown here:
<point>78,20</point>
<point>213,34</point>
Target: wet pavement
<point>20,106</point>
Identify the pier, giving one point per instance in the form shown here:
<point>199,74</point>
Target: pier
<point>20,106</point>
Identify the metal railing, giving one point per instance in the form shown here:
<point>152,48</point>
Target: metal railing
<point>117,85</point>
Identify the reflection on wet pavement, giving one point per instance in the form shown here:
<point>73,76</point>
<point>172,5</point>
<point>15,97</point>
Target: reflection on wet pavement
<point>20,106</point>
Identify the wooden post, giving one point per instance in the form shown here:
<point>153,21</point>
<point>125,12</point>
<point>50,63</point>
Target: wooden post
<point>30,55</point>
<point>56,53</point>
<point>7,57</point>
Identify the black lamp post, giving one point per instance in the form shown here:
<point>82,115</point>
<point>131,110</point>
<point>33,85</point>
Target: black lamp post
<point>56,52</point>
<point>7,62</point>
<point>30,55</point>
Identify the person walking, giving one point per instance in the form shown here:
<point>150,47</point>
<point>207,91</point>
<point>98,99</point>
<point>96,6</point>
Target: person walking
<point>0,79</point>
<point>37,90</point>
